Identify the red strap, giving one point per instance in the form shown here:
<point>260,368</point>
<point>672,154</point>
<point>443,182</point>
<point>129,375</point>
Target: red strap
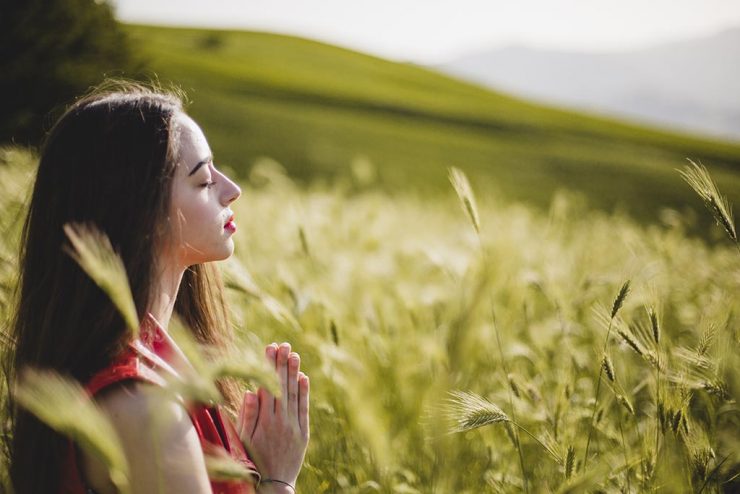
<point>127,366</point>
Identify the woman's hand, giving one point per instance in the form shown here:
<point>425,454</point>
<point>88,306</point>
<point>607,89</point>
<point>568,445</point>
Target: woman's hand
<point>275,430</point>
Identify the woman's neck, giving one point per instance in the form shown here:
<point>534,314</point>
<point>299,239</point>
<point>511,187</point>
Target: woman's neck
<point>165,294</point>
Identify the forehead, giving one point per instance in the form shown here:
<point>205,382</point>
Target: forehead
<point>192,144</point>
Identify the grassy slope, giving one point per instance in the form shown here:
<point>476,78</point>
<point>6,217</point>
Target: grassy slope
<point>315,107</point>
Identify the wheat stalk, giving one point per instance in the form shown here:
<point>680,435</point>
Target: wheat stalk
<point>619,299</point>
<point>622,400</point>
<point>570,459</point>
<point>248,365</point>
<point>92,250</point>
<point>63,405</point>
<point>698,178</point>
<point>198,381</point>
<point>465,193</point>
<point>606,364</point>
<point>462,186</point>
<point>238,277</point>
<point>222,467</point>
<point>630,339</point>
<point>468,411</point>
<point>616,306</point>
<point>195,381</point>
<point>654,324</point>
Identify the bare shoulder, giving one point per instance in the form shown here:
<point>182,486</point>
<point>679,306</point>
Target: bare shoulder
<point>131,402</point>
<point>158,439</point>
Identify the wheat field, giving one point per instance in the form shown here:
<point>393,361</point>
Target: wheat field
<point>461,344</point>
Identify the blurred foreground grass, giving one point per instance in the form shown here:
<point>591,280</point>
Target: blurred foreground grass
<point>391,300</point>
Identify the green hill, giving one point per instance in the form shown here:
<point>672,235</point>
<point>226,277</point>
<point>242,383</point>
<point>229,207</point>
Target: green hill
<point>316,108</point>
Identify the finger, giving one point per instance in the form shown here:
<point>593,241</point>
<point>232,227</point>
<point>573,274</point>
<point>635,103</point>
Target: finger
<point>248,416</point>
<point>266,405</point>
<point>303,388</point>
<point>271,352</point>
<point>281,404</point>
<point>294,363</point>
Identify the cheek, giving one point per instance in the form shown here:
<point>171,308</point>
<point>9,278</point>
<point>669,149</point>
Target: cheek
<point>192,220</point>
<point>195,235</point>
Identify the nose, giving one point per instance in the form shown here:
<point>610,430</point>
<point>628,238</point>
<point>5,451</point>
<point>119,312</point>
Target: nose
<point>231,191</point>
<point>235,193</point>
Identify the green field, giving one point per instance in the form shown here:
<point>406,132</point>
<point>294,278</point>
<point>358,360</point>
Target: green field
<point>353,246</point>
<point>317,108</point>
<point>393,301</point>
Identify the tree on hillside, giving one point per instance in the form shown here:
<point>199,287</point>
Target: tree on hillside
<point>50,52</point>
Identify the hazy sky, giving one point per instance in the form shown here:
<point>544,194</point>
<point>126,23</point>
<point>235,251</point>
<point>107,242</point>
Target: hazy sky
<point>431,31</point>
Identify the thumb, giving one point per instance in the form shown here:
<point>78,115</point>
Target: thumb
<point>248,416</point>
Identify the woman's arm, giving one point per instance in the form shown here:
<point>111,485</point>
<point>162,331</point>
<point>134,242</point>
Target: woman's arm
<point>158,439</point>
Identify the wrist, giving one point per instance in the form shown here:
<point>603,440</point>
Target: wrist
<point>274,488</point>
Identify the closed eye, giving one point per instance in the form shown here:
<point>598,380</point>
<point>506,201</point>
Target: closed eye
<point>208,185</point>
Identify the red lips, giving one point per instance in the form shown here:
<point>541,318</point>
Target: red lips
<point>230,225</point>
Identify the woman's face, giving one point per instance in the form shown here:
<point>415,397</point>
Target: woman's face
<point>199,210</point>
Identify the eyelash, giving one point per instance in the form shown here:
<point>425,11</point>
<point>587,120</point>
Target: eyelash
<point>208,185</point>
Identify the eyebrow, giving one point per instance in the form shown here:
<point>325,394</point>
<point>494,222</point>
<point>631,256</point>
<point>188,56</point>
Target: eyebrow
<point>200,163</point>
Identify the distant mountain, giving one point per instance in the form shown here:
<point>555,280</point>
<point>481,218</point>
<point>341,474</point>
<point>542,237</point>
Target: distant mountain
<point>688,85</point>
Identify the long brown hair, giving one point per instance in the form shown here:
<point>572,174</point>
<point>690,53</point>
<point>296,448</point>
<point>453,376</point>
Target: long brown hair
<point>108,160</point>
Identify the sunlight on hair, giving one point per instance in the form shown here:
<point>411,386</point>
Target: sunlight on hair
<point>93,251</point>
<point>63,405</point>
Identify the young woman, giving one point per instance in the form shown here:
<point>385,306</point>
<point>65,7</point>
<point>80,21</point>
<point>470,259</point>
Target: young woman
<point>128,160</point>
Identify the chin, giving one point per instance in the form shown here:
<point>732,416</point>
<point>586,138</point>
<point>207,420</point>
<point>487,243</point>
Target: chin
<point>228,252</point>
<point>222,254</point>
<point>220,257</point>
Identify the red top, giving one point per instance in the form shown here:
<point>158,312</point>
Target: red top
<point>154,349</point>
